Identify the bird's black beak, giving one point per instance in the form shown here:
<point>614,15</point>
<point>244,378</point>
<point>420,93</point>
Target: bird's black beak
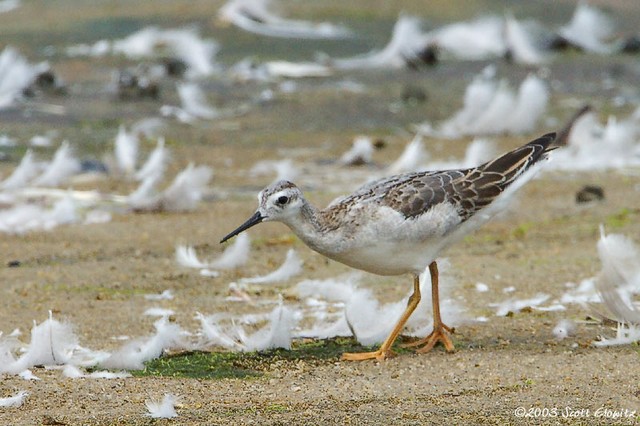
<point>253,220</point>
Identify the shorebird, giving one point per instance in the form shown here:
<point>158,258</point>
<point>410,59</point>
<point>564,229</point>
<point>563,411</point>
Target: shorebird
<point>400,224</point>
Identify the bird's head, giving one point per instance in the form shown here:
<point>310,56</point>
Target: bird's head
<point>277,202</point>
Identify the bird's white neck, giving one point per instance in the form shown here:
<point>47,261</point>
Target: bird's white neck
<point>307,225</point>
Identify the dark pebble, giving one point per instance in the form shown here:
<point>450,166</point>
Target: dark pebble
<point>590,193</point>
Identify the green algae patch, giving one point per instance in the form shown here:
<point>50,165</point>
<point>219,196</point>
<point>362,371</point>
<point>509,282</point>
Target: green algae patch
<point>246,365</point>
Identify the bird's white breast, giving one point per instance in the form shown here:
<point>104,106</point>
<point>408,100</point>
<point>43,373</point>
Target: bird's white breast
<point>382,241</point>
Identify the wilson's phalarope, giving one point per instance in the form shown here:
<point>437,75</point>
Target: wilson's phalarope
<point>400,224</point>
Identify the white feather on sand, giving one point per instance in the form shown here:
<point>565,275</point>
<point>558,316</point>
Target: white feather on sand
<point>159,312</point>
<point>339,289</point>
<point>9,347</point>
<point>28,375</point>
<point>371,322</point>
<point>214,334</point>
<point>237,293</point>
<point>14,401</point>
<point>286,69</point>
<point>626,334</point>
<point>477,97</point>
<point>406,44</point>
<point>7,141</point>
<point>62,167</point>
<point>23,218</point>
<point>156,163</point>
<point>186,256</point>
<point>133,354</point>
<point>495,116</point>
<point>531,104</point>
<point>254,16</point>
<point>16,74</point>
<point>619,278</point>
<point>565,328</point>
<point>194,101</point>
<point>521,44</point>
<point>98,49</point>
<point>593,146</point>
<point>126,151</point>
<point>411,159</point>
<point>185,44</point>
<point>183,193</point>
<point>364,317</point>
<point>26,171</point>
<point>19,218</point>
<point>43,141</point>
<point>478,39</point>
<point>327,329</point>
<point>64,211</point>
<point>73,372</point>
<point>616,284</point>
<point>584,293</point>
<point>187,188</point>
<point>165,295</point>
<point>515,305</point>
<point>164,409</point>
<point>249,69</point>
<point>85,357</point>
<point>194,105</point>
<point>52,343</point>
<point>589,29</point>
<point>361,152</point>
<point>145,197</point>
<point>291,267</point>
<point>481,287</point>
<point>235,255</point>
<point>493,108</point>
<point>276,334</point>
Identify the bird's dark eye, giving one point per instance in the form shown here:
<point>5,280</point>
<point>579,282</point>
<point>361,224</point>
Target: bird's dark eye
<point>283,199</point>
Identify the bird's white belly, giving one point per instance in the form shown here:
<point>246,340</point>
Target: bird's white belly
<point>389,258</point>
<point>387,243</point>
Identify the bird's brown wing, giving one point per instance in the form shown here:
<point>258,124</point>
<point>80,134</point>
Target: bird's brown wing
<point>468,189</point>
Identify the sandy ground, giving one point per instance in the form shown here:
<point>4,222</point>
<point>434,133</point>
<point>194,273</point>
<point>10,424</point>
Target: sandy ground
<point>509,370</point>
<point>97,277</point>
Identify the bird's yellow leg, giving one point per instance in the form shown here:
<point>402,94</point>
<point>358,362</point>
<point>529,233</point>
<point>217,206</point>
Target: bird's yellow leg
<point>440,331</point>
<point>385,349</point>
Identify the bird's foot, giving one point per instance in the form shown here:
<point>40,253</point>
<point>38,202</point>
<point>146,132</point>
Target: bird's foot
<point>440,333</point>
<point>379,355</point>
